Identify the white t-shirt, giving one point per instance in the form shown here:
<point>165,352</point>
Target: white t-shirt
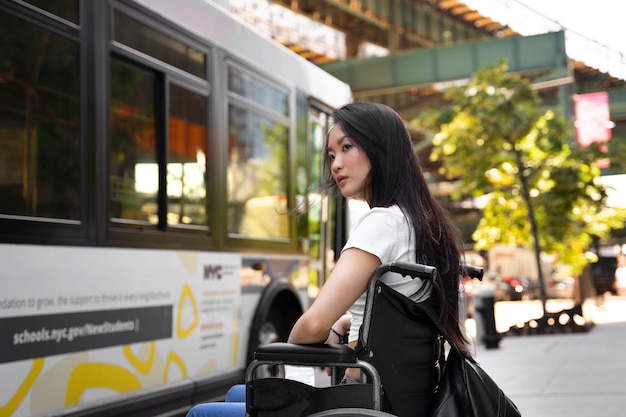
<point>387,234</point>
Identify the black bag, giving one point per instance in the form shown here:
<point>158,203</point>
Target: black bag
<point>465,389</point>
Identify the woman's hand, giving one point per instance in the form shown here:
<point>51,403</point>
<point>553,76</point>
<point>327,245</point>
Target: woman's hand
<point>339,332</point>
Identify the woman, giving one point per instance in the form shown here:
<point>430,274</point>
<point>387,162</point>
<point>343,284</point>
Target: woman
<point>370,156</point>
<point>620,276</point>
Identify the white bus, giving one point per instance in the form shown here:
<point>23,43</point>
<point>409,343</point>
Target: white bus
<point>158,161</point>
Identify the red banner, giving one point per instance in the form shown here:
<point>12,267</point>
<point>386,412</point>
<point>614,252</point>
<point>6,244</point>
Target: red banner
<point>593,121</point>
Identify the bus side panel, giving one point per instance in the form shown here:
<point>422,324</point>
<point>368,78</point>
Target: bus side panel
<point>84,324</point>
<point>273,297</point>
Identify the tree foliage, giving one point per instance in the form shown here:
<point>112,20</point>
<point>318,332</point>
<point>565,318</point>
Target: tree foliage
<point>498,144</point>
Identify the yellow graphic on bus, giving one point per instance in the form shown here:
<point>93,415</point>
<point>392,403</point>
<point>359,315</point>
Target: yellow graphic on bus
<point>180,331</point>
<point>99,375</point>
<point>143,367</point>
<point>11,405</point>
<point>173,357</point>
<point>189,261</point>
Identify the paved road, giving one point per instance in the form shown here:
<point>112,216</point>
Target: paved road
<point>570,375</point>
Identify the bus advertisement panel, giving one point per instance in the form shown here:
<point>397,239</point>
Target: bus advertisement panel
<point>81,324</point>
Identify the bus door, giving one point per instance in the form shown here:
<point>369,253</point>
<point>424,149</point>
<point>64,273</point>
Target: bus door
<point>322,208</point>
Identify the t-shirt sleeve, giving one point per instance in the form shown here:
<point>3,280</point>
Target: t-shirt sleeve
<point>376,233</point>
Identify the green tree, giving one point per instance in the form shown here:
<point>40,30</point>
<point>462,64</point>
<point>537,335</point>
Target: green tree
<point>542,190</point>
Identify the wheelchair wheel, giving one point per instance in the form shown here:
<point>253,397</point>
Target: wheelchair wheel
<point>351,412</point>
<point>271,330</point>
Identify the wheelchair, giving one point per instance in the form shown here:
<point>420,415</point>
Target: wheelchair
<point>394,329</point>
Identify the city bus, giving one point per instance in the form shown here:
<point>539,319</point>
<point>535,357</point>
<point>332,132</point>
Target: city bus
<point>159,218</point>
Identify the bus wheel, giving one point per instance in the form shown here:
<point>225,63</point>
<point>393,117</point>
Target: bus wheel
<point>272,330</point>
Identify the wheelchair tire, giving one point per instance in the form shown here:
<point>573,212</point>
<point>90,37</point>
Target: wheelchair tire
<point>351,412</point>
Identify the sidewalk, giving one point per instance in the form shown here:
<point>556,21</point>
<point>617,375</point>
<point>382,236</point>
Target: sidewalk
<point>569,375</point>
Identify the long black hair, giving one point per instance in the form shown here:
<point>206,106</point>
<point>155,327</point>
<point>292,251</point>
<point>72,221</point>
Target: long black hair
<point>396,178</point>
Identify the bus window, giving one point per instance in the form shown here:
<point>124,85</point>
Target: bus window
<point>134,169</point>
<point>67,9</point>
<point>186,162</point>
<point>316,212</point>
<point>320,221</point>
<point>257,176</point>
<point>39,122</point>
<point>258,162</point>
<point>245,85</point>
<point>137,35</point>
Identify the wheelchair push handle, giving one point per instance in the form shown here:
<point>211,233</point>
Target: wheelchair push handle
<point>408,268</point>
<point>473,271</point>
<point>423,271</point>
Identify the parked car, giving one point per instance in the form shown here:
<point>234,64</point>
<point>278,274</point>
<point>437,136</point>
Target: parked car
<point>521,288</point>
<point>560,288</point>
<point>508,288</point>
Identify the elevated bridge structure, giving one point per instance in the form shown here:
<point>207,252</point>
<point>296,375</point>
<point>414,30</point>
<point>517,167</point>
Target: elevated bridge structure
<point>433,42</point>
<point>541,58</point>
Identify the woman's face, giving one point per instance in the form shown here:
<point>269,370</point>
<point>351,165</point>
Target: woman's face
<point>349,164</point>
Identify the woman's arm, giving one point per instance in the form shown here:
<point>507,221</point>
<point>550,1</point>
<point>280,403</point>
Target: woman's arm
<point>346,283</point>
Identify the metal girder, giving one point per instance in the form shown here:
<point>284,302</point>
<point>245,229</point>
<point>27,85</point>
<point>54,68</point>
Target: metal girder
<point>541,55</point>
<point>393,24</point>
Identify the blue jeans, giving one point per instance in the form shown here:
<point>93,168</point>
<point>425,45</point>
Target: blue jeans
<point>346,380</point>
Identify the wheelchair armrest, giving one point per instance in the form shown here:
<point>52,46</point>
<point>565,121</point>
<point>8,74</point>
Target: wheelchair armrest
<point>314,354</point>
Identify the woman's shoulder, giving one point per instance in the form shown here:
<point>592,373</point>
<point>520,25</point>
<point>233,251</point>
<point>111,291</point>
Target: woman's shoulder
<point>387,214</point>
<point>391,216</point>
<point>380,232</point>
<point>394,210</point>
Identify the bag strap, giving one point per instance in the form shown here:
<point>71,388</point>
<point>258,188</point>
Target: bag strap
<point>430,312</point>
<point>472,272</point>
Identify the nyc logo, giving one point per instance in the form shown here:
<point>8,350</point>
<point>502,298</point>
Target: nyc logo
<point>212,271</point>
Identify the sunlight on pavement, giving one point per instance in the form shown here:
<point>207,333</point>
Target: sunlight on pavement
<point>613,310</point>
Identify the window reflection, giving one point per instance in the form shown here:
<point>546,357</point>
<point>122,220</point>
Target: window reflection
<point>67,9</point>
<point>134,170</point>
<point>246,85</point>
<point>39,122</point>
<point>257,158</point>
<point>315,199</point>
<point>257,176</point>
<point>186,167</point>
<point>135,34</point>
